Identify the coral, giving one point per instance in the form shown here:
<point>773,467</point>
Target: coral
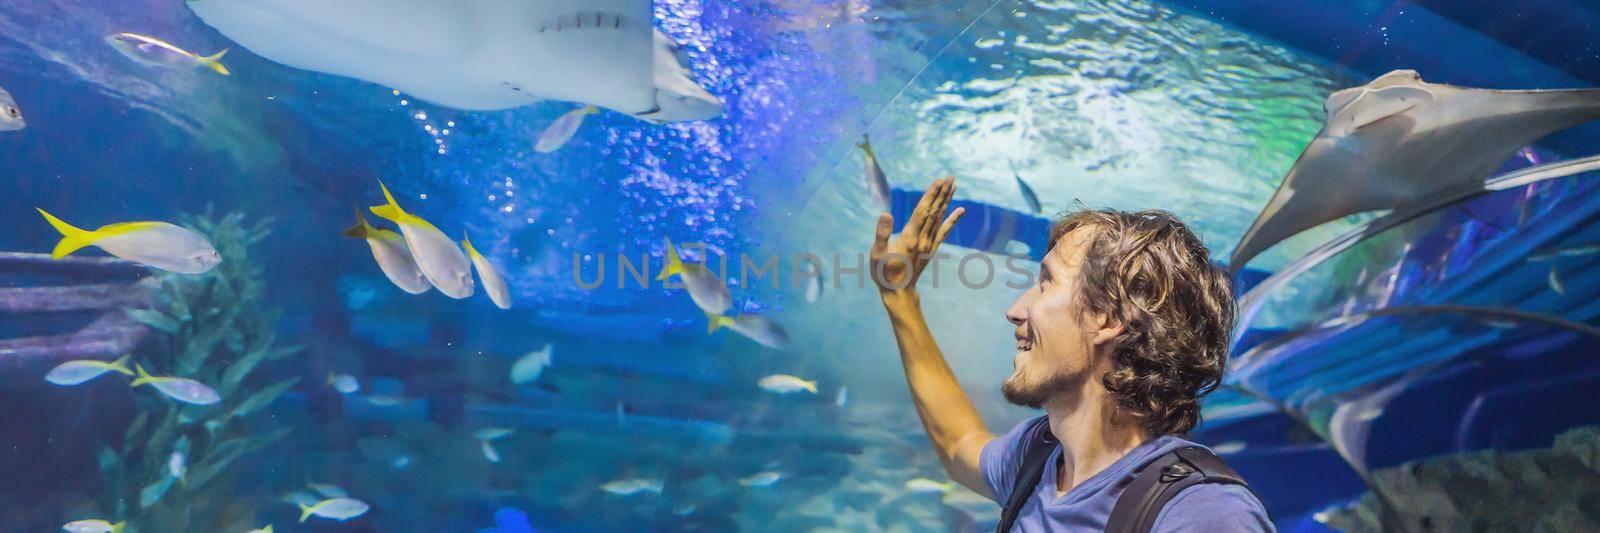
<point>211,328</point>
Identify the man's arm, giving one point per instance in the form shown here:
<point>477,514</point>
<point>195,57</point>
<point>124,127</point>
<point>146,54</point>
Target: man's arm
<point>952,422</point>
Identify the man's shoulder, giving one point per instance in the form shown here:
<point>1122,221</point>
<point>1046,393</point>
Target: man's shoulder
<point>1214,507</point>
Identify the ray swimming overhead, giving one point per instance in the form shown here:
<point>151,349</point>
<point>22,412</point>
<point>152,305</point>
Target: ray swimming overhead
<point>478,54</point>
<point>1398,140</point>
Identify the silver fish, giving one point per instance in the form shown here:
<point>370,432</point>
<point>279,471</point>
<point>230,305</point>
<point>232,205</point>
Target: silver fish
<point>559,132</point>
<point>10,114</point>
<point>153,52</point>
<point>706,288</point>
<point>877,182</point>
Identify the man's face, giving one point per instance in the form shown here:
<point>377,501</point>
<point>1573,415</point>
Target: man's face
<point>1055,339</point>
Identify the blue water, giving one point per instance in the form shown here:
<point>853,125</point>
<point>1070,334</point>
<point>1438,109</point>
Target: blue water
<point>1441,322</point>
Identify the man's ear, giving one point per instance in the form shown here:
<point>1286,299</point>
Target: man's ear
<point>1107,328</point>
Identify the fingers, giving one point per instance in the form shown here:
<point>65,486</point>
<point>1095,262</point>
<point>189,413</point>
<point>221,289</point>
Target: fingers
<point>949,223</point>
<point>941,199</point>
<point>920,214</point>
<point>885,227</point>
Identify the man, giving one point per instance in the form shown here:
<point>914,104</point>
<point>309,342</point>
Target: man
<point>1125,329</point>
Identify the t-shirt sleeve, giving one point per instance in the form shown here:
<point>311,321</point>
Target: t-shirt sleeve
<point>1214,507</point>
<point>1000,460</point>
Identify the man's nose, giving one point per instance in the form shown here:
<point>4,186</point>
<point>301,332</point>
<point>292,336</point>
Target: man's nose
<point>1018,313</point>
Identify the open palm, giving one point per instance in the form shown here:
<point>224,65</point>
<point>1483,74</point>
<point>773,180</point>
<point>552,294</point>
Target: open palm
<point>897,263</point>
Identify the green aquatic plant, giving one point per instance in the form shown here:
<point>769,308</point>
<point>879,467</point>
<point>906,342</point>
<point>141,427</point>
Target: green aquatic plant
<point>212,328</point>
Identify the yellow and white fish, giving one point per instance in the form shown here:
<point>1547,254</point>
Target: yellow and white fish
<point>924,485</point>
<point>340,509</point>
<point>155,244</point>
<point>758,328</point>
<point>785,384</point>
<point>150,51</point>
<point>93,526</point>
<point>706,288</point>
<point>761,479</point>
<point>490,276</point>
<point>181,389</point>
<point>530,366</point>
<point>75,372</point>
<point>393,256</point>
<point>440,260</point>
<point>267,529</point>
<point>629,487</point>
<point>559,132</point>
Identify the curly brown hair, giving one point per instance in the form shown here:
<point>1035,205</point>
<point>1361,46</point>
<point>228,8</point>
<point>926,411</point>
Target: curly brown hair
<point>1150,272</point>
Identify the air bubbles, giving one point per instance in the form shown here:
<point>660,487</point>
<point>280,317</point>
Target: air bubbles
<point>421,115</point>
<point>405,102</point>
<point>423,196</point>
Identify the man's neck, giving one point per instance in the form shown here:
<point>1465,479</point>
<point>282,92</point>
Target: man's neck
<point>1082,421</point>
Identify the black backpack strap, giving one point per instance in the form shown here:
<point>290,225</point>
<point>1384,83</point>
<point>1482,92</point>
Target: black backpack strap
<point>1037,445</point>
<point>1161,481</point>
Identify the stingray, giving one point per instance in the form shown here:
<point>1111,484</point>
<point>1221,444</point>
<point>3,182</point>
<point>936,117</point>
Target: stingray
<point>1399,140</point>
<point>478,55</point>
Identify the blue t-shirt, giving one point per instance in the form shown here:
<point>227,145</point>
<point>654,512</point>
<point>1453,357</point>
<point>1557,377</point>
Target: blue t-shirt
<point>1203,507</point>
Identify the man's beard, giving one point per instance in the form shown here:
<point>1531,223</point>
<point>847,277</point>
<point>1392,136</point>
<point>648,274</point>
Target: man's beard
<point>1020,391</point>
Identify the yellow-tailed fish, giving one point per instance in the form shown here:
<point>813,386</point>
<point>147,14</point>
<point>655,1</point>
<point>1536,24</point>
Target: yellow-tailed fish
<point>785,384</point>
<point>181,389</point>
<point>489,275</point>
<point>340,509</point>
<point>758,328</point>
<point>440,260</point>
<point>559,132</point>
<point>155,244</point>
<point>877,182</point>
<point>706,288</point>
<point>93,526</point>
<point>393,256</point>
<point>150,51</point>
<point>75,372</point>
